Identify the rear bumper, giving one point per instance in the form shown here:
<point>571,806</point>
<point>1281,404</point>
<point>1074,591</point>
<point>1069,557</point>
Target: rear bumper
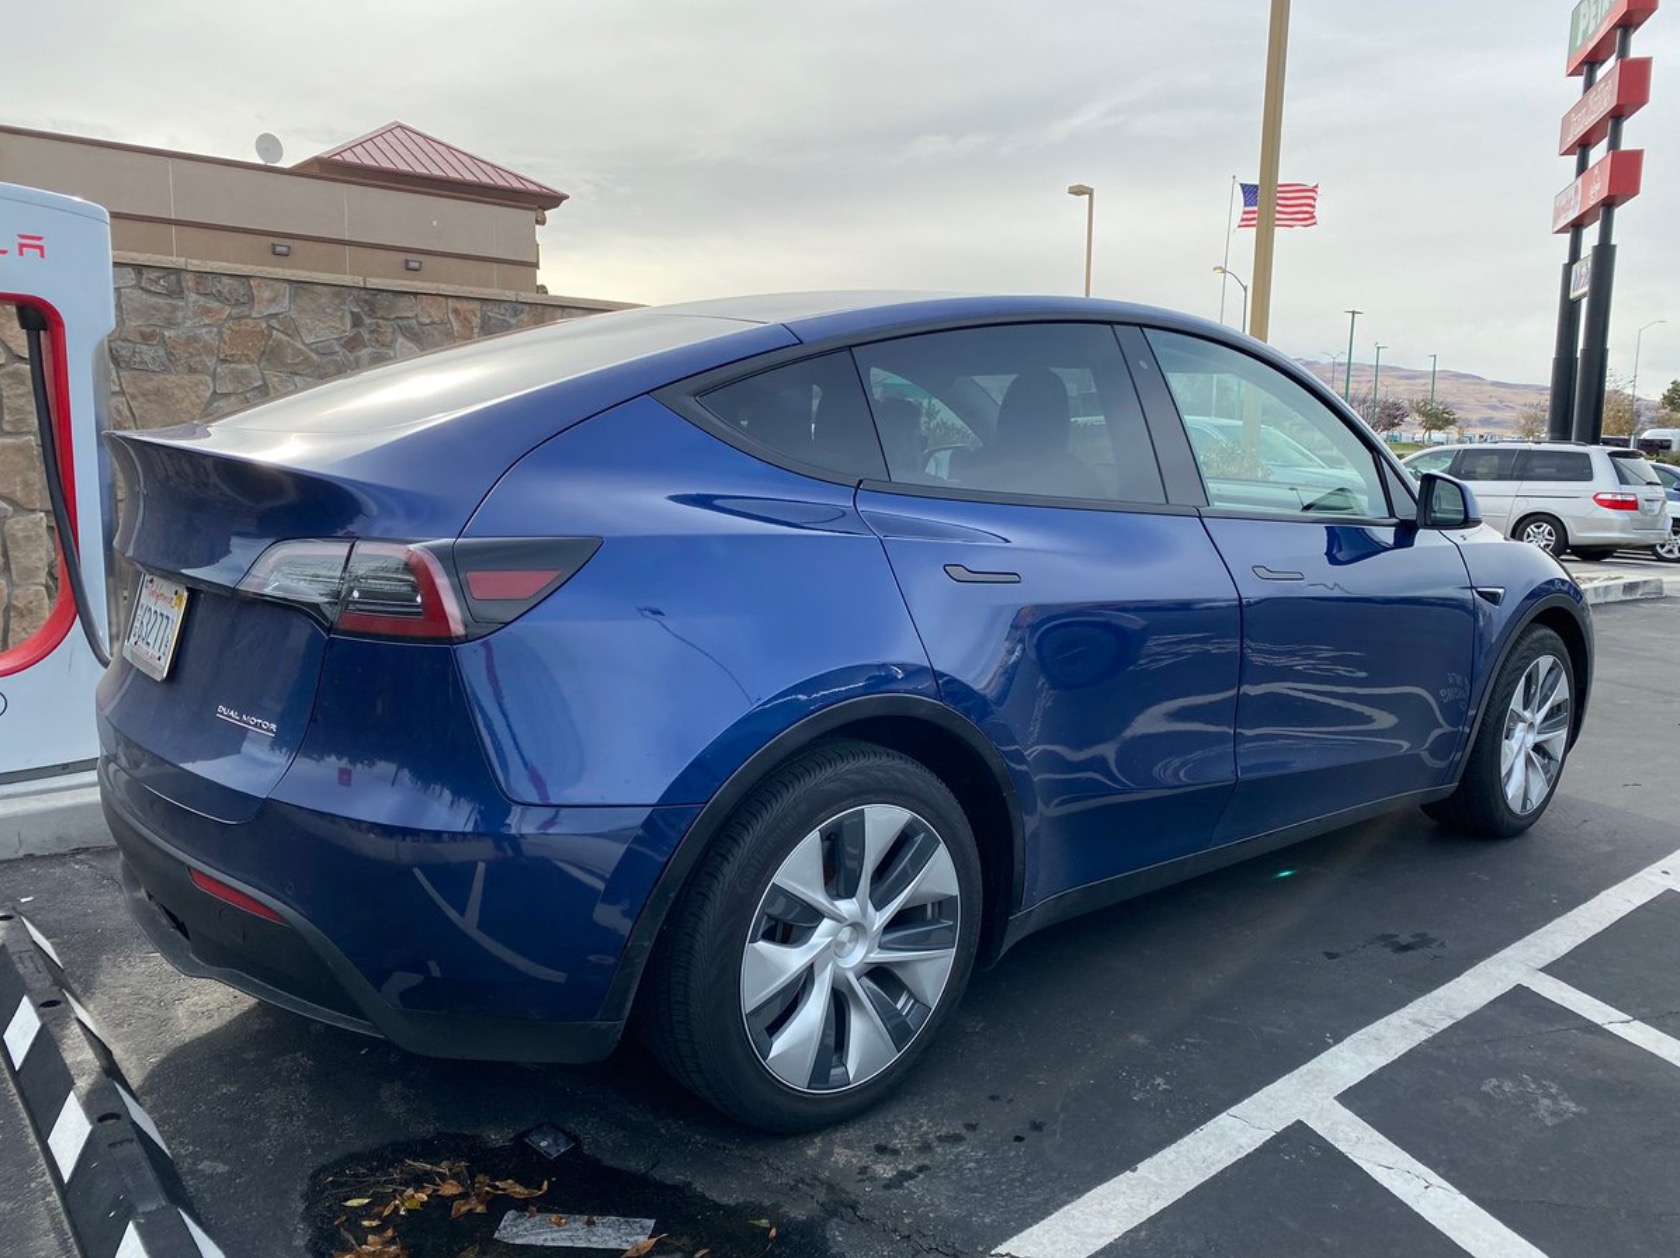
<point>1620,529</point>
<point>456,992</point>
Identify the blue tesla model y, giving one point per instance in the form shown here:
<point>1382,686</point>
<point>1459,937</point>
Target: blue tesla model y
<point>745,672</point>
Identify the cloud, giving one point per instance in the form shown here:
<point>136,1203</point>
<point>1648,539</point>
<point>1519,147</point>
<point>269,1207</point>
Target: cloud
<point>716,146</point>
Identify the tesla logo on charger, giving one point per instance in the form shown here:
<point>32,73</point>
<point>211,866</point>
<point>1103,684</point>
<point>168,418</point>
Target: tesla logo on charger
<point>28,245</point>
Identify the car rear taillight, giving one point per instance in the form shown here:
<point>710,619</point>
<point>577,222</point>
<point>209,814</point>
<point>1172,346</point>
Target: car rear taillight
<point>429,591</point>
<point>1617,501</point>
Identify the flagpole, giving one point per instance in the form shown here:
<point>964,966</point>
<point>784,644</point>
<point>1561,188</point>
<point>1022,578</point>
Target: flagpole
<point>1224,276</point>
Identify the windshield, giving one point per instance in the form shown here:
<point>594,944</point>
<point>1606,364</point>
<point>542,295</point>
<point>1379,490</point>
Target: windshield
<point>1632,469</point>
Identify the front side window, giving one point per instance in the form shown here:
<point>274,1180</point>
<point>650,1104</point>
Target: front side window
<point>1486,465</point>
<point>1264,443</point>
<point>1041,410</point>
<point>812,411</point>
<point>1431,461</point>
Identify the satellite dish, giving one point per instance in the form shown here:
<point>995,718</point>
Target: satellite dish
<point>269,148</point>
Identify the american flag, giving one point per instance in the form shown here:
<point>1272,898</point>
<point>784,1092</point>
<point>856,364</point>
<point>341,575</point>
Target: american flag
<point>1297,205</point>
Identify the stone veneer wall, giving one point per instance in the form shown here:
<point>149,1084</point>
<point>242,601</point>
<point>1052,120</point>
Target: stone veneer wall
<point>197,342</point>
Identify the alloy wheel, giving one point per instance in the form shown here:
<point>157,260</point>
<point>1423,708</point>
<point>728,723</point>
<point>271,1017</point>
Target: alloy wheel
<point>1669,551</point>
<point>851,948</point>
<point>1540,533</point>
<point>1536,734</point>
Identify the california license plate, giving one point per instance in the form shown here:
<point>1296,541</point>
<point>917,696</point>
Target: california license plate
<point>159,608</point>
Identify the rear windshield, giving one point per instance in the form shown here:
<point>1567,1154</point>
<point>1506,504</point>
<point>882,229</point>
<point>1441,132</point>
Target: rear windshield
<point>1631,469</point>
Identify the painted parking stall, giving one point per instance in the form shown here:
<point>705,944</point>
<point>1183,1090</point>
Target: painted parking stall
<point>1310,1095</point>
<point>116,1180</point>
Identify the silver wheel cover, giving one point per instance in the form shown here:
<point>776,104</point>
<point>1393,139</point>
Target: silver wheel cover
<point>1536,734</point>
<point>850,949</point>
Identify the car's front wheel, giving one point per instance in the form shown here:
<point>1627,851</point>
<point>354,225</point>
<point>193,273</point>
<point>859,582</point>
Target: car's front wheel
<point>823,941</point>
<point>1544,531</point>
<point>1517,757</point>
<point>1669,551</point>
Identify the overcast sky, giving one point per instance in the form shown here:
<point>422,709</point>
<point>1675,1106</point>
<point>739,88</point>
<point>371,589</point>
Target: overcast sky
<point>716,147</point>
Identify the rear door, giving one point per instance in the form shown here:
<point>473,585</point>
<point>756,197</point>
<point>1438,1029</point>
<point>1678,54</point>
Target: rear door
<point>1358,628</point>
<point>1491,473</point>
<point>1088,627</point>
<point>1558,483</point>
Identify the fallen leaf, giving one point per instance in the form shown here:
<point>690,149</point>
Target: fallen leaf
<point>559,1220</point>
<point>518,1191</point>
<point>701,1253</point>
<point>761,1222</point>
<point>449,1188</point>
<point>373,1222</point>
<point>467,1205</point>
<point>642,1248</point>
<point>390,1207</point>
<point>772,1233</point>
<point>589,1220</point>
<point>413,1200</point>
<point>354,1202</point>
<point>530,1212</point>
<point>471,1251</point>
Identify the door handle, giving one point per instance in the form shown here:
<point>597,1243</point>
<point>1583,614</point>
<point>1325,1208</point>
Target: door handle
<point>1274,574</point>
<point>966,575</point>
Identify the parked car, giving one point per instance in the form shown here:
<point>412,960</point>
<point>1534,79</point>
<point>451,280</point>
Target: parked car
<point>1659,441</point>
<point>746,672</point>
<point>1669,551</point>
<point>1560,496</point>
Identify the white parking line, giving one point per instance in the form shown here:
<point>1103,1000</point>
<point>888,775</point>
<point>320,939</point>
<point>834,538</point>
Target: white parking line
<point>1469,1226</point>
<point>1602,1015</point>
<point>1110,1210</point>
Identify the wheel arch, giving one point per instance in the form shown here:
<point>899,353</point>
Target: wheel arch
<point>1564,616</point>
<point>945,742</point>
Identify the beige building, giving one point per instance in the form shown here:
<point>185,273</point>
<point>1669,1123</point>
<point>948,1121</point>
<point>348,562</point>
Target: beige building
<point>396,204</point>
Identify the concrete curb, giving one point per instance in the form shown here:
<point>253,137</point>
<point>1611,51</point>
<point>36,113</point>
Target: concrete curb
<point>1600,590</point>
<point>62,817</point>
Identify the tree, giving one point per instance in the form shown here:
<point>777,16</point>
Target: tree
<point>1385,416</point>
<point>1533,421</point>
<point>1435,416</point>
<point>1671,399</point>
<point>1620,414</point>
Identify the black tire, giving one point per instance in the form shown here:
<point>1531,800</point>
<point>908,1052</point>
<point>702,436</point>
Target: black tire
<point>1478,806</point>
<point>689,1011</point>
<point>1534,528</point>
<point>1594,554</point>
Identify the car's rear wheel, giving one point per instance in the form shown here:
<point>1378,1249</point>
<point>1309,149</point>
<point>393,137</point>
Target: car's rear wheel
<point>823,941</point>
<point>1519,752</point>
<point>1594,554</point>
<point>1544,531</point>
<point>1669,551</point>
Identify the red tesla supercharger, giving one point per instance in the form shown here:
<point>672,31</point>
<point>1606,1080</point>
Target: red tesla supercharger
<point>56,303</point>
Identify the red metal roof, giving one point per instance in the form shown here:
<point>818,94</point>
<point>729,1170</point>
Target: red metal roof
<point>398,149</point>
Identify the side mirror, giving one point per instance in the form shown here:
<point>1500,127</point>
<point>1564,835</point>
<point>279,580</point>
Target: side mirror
<point>1444,503</point>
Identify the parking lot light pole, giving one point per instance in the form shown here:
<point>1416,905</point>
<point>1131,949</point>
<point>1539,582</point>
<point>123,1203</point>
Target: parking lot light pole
<point>1376,377</point>
<point>1347,386</point>
<point>1271,146</point>
<point>1434,362</point>
<point>1335,362</point>
<point>1232,275</point>
<point>1638,342</point>
<point>1090,194</point>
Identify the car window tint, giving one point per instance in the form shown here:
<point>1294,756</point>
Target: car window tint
<point>1634,470</point>
<point>1043,410</point>
<point>1485,465</point>
<point>1430,461</point>
<point>1262,441</point>
<point>812,411</point>
<point>1564,465</point>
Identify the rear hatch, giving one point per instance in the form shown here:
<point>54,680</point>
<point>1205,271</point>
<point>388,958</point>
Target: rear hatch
<point>1635,476</point>
<point>336,511</point>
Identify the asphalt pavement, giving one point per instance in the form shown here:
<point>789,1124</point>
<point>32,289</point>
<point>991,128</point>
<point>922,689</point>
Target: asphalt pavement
<point>1390,1040</point>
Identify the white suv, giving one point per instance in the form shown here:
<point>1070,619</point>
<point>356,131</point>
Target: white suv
<point>1560,496</point>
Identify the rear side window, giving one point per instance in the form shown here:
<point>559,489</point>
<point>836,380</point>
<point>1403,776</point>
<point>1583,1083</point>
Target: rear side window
<point>1634,471</point>
<point>1564,465</point>
<point>1041,410</point>
<point>1486,465</point>
<point>811,411</point>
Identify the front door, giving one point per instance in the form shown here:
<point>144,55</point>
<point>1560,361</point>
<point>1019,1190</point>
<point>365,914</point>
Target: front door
<point>1358,628</point>
<point>1091,630</point>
